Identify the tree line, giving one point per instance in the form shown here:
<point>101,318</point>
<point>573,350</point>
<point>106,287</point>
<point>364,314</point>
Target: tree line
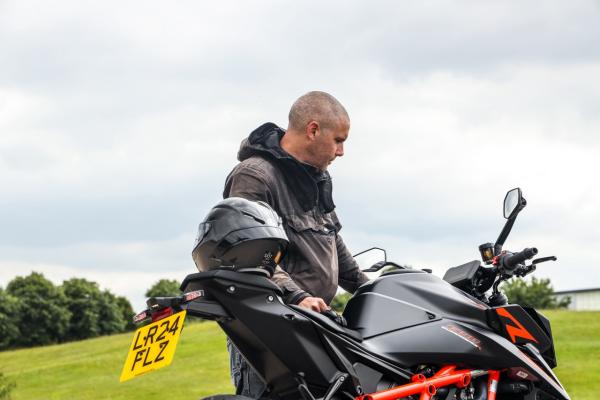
<point>35,312</point>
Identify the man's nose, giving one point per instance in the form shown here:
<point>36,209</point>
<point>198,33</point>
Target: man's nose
<point>339,151</point>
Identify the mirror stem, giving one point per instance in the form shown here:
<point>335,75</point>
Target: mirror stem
<point>504,234</point>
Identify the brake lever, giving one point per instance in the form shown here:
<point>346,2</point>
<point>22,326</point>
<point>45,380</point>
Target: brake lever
<point>527,269</point>
<point>543,259</point>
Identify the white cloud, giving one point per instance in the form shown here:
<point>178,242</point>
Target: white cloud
<point>118,125</point>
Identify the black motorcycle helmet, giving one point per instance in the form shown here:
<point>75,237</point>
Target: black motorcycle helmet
<point>242,235</point>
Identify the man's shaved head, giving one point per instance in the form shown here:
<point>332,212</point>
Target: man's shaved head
<point>320,107</point>
<point>318,127</point>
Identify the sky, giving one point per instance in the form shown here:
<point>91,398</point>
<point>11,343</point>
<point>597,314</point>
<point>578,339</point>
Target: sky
<point>119,122</point>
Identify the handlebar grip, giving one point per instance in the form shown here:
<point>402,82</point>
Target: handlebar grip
<point>511,261</point>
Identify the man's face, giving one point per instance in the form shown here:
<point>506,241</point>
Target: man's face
<point>329,144</point>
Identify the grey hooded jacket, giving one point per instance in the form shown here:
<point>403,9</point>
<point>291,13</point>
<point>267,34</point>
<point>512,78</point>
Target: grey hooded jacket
<point>317,260</point>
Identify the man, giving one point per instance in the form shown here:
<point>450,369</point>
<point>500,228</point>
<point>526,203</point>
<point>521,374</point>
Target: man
<point>288,170</point>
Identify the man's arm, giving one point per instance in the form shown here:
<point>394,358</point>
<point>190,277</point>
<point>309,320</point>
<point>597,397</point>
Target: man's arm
<point>248,184</point>
<point>351,277</point>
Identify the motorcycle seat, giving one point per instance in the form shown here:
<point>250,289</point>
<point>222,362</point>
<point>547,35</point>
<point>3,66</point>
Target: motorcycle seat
<point>327,323</point>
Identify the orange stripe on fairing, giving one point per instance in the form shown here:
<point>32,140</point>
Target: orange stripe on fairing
<point>514,331</point>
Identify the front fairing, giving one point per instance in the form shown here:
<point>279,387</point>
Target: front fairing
<point>523,326</point>
<point>414,318</point>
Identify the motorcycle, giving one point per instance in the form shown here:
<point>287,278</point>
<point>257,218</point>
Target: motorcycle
<point>405,335</point>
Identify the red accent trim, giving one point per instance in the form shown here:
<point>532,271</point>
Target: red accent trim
<point>493,379</point>
<point>425,387</point>
<point>514,332</point>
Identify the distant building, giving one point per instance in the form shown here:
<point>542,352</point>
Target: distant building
<point>582,299</point>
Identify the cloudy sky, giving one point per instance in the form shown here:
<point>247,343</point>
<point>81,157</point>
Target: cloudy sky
<point>120,120</point>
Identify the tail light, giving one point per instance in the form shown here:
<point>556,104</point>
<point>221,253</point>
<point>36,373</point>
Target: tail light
<point>160,314</point>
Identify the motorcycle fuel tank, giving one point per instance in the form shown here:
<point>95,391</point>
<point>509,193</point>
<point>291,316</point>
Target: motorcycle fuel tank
<point>406,298</point>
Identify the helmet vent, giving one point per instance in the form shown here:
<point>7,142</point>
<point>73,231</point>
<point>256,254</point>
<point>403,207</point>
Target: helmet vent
<point>254,217</point>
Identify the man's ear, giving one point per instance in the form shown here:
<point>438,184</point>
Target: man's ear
<point>312,128</point>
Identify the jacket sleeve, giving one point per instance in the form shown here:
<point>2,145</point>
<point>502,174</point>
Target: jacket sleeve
<point>250,184</point>
<point>351,277</point>
<point>292,294</point>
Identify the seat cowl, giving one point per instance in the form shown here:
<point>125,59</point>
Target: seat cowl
<point>328,323</point>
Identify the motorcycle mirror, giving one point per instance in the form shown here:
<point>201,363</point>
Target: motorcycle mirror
<point>366,259</point>
<point>513,202</point>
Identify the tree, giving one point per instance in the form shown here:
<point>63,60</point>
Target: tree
<point>110,316</point>
<point>164,288</point>
<point>9,331</point>
<point>42,315</point>
<point>126,312</point>
<point>537,293</point>
<point>93,312</point>
<point>83,302</point>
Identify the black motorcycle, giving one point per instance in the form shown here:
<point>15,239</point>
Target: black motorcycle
<point>405,335</point>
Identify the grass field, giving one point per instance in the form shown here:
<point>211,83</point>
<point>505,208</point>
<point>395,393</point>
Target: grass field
<point>90,369</point>
<point>577,342</point>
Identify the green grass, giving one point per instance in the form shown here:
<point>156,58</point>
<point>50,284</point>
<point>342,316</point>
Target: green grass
<point>90,369</point>
<point>577,343</point>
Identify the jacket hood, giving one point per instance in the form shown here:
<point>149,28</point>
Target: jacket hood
<point>264,139</point>
<point>311,185</point>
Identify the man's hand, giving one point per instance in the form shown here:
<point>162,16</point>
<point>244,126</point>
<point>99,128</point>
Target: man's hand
<point>314,303</point>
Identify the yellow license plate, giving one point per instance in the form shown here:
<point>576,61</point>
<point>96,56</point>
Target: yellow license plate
<point>153,346</point>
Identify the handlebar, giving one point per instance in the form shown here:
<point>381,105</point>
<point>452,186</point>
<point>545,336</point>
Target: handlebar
<point>511,261</point>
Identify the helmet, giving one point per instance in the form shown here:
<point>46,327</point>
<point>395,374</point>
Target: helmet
<point>240,234</point>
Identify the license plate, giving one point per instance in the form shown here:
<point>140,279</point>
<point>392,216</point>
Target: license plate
<point>153,346</point>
